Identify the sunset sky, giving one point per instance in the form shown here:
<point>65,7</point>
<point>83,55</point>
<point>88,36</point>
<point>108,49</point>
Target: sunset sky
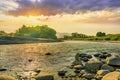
<point>83,16</point>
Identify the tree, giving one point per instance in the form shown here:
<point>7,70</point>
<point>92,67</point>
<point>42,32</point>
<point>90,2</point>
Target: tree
<point>37,32</point>
<point>100,34</point>
<point>3,33</point>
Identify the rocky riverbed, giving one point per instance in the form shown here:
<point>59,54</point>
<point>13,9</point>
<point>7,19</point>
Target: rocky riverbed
<point>60,61</point>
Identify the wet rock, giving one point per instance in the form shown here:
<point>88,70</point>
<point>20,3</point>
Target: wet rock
<point>112,76</point>
<point>3,69</point>
<point>98,77</point>
<point>104,52</point>
<point>89,56</point>
<point>6,77</point>
<point>30,60</point>
<point>78,67</point>
<point>77,57</point>
<point>117,70</point>
<point>44,76</point>
<point>77,71</point>
<point>76,63</point>
<point>82,55</point>
<point>48,53</point>
<point>114,62</point>
<point>108,55</point>
<point>83,71</point>
<point>62,73</point>
<point>93,66</point>
<point>103,56</point>
<point>102,72</point>
<point>85,59</point>
<point>88,76</point>
<point>97,55</point>
<point>37,70</point>
<point>107,67</point>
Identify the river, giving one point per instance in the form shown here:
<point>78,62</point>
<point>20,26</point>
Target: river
<point>15,57</point>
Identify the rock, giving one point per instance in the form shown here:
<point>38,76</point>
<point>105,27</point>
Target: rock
<point>3,69</point>
<point>108,55</point>
<point>76,63</point>
<point>96,55</point>
<point>6,77</point>
<point>44,76</point>
<point>48,53</point>
<point>104,52</point>
<point>77,57</point>
<point>82,55</point>
<point>88,76</point>
<point>103,56</point>
<point>93,66</point>
<point>89,56</point>
<point>37,70</point>
<point>85,59</point>
<point>30,60</point>
<point>77,71</point>
<point>117,70</point>
<point>62,73</point>
<point>102,72</point>
<point>78,67</point>
<point>83,71</point>
<point>98,77</point>
<point>114,62</point>
<point>107,67</point>
<point>112,76</point>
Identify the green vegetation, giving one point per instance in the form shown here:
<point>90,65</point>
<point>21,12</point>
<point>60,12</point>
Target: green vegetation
<point>48,33</point>
<point>35,32</point>
<point>100,36</point>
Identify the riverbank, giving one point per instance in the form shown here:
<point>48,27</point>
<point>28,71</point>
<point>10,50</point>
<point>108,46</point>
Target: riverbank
<point>96,41</point>
<point>23,40</point>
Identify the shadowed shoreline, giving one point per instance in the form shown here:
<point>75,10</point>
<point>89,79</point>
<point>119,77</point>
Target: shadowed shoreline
<point>23,40</point>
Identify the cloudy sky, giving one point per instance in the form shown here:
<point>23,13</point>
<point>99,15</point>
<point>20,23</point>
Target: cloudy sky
<point>83,16</point>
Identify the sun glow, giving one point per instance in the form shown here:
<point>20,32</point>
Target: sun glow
<point>32,12</point>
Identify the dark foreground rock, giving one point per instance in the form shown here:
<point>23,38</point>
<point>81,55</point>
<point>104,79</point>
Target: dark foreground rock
<point>6,77</point>
<point>93,66</point>
<point>114,62</point>
<point>107,67</point>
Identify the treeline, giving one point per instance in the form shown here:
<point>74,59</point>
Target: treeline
<point>100,36</point>
<point>35,32</point>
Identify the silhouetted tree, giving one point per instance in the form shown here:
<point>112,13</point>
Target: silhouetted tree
<point>100,34</point>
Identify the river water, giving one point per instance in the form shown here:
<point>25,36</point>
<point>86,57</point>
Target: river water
<point>15,57</point>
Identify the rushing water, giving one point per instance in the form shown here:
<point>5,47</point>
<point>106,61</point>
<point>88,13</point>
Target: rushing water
<point>15,58</point>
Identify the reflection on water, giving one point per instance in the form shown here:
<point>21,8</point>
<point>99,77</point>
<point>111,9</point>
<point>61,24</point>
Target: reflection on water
<point>16,57</point>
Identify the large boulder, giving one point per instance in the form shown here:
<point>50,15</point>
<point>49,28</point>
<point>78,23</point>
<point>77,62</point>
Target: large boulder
<point>107,67</point>
<point>112,76</point>
<point>44,76</point>
<point>6,77</point>
<point>102,72</point>
<point>115,61</point>
<point>93,66</point>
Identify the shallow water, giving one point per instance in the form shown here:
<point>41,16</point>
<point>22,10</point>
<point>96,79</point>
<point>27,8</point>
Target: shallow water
<point>15,58</point>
